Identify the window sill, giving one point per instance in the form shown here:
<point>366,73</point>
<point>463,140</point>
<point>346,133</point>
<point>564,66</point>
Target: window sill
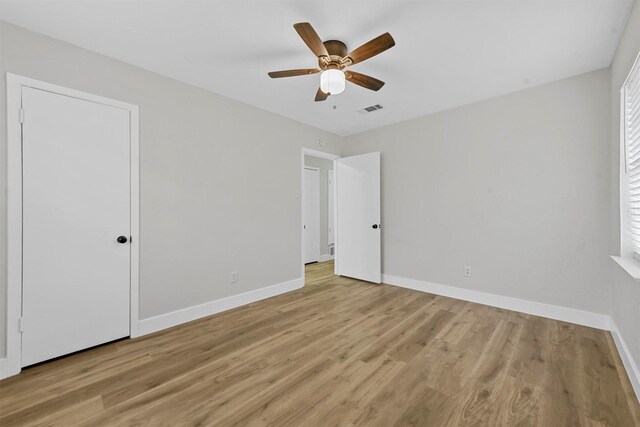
<point>629,265</point>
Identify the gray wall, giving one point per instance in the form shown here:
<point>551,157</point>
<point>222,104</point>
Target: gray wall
<point>220,180</point>
<point>625,292</point>
<point>517,187</point>
<point>325,166</point>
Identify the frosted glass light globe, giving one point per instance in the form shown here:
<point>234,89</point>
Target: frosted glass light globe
<point>332,81</point>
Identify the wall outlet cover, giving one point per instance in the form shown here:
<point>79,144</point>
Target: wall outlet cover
<point>467,271</point>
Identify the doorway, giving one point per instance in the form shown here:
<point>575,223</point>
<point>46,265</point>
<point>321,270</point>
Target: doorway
<point>317,206</point>
<point>352,230</point>
<point>72,221</point>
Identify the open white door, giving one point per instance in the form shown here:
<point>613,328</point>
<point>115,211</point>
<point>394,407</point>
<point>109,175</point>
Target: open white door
<point>358,217</point>
<point>311,215</point>
<point>331,207</point>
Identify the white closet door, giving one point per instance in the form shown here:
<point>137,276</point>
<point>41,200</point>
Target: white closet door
<point>358,218</point>
<point>311,215</point>
<point>76,203</point>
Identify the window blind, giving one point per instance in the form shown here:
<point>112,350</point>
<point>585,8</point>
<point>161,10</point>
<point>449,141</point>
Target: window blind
<point>631,127</point>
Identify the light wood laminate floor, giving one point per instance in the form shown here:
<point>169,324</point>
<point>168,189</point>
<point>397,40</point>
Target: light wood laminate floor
<point>339,352</point>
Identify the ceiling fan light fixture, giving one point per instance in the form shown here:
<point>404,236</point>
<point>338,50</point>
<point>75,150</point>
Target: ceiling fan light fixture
<point>333,57</point>
<point>332,81</point>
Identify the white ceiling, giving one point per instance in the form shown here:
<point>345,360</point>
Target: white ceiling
<point>447,53</point>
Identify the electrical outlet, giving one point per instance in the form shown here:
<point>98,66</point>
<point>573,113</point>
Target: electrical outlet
<point>234,276</point>
<point>467,271</point>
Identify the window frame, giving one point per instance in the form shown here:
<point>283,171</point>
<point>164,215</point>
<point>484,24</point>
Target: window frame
<point>627,247</point>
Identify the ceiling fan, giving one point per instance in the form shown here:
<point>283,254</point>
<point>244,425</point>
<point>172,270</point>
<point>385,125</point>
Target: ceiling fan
<point>333,59</point>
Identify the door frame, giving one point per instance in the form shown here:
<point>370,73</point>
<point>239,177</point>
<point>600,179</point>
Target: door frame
<point>15,83</point>
<point>303,228</point>
<point>322,155</point>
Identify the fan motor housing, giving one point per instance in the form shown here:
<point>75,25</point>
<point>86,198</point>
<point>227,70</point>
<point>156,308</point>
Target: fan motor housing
<point>337,50</point>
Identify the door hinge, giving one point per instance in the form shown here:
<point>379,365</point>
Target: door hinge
<point>21,115</point>
<point>20,324</point>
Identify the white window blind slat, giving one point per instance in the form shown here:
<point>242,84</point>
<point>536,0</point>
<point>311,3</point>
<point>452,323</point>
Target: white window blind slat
<point>633,134</point>
<point>633,129</point>
<point>631,179</point>
<point>634,112</point>
<point>634,86</point>
<point>633,91</point>
<point>631,146</point>
<point>633,154</point>
<point>633,168</point>
<point>633,83</point>
<point>633,150</point>
<point>629,174</point>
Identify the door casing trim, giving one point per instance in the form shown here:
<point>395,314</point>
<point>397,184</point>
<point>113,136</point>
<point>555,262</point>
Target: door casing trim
<point>15,83</point>
<point>317,170</point>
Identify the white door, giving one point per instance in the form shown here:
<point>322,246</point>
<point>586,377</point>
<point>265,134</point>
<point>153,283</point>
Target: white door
<point>358,217</point>
<point>76,203</point>
<point>331,208</point>
<point>311,227</point>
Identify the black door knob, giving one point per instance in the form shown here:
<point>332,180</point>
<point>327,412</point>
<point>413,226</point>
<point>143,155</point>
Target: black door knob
<point>121,239</point>
<point>374,226</point>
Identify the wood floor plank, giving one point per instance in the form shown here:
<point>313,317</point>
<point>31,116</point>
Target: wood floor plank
<point>561,403</point>
<point>20,400</point>
<point>531,354</point>
<point>415,342</point>
<point>512,403</point>
<point>494,364</point>
<point>339,407</point>
<point>407,391</point>
<point>72,415</point>
<point>339,352</point>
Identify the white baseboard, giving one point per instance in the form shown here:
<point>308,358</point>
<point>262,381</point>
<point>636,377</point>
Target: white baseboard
<point>4,370</point>
<point>629,364</point>
<point>580,317</point>
<point>164,321</point>
<point>324,258</point>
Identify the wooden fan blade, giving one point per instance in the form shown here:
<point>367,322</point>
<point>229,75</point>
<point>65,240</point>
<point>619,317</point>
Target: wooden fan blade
<point>292,73</point>
<point>321,96</point>
<point>370,48</point>
<point>363,80</point>
<point>311,38</point>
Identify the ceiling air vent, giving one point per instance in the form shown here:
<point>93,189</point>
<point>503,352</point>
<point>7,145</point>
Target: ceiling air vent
<point>371,109</point>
